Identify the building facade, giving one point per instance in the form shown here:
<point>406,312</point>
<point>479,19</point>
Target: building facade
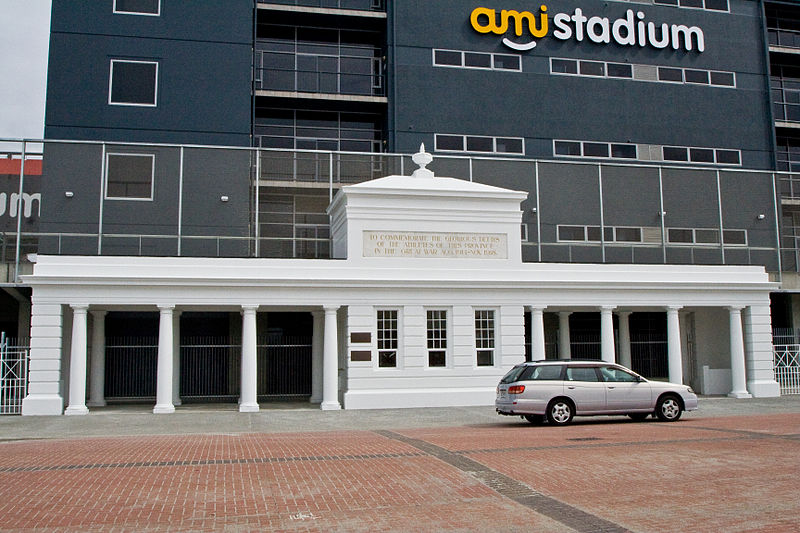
<point>640,135</point>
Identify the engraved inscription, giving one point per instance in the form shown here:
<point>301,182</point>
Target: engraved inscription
<point>435,245</point>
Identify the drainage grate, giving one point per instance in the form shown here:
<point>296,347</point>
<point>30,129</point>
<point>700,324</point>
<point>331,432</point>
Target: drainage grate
<point>584,439</point>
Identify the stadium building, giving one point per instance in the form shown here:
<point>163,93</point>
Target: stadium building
<point>231,202</point>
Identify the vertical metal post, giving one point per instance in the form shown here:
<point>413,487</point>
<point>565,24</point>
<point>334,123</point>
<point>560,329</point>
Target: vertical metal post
<point>777,227</point>
<point>538,211</point>
<point>180,203</point>
<point>258,203</point>
<point>721,236</point>
<point>661,214</point>
<point>470,168</point>
<point>602,216</point>
<point>102,197</point>
<point>330,178</point>
<point>19,212</point>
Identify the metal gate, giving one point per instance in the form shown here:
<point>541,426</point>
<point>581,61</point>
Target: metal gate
<point>209,368</point>
<point>13,376</point>
<point>787,367</point>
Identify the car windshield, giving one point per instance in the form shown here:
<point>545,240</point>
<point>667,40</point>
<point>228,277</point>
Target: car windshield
<point>513,374</point>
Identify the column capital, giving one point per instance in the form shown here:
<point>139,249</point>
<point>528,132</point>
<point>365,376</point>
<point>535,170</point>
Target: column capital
<point>624,313</point>
<point>79,308</point>
<point>318,313</point>
<point>736,308</point>
<point>536,307</point>
<point>330,308</point>
<point>165,307</point>
<point>249,308</point>
<point>608,308</point>
<point>98,313</point>
<point>564,313</point>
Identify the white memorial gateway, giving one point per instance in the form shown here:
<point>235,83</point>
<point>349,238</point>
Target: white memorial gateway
<point>423,304</point>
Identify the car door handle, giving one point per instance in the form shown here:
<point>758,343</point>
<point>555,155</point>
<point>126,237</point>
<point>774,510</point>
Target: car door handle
<point>611,387</point>
<point>571,387</point>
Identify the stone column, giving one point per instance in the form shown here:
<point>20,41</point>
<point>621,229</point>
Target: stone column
<point>674,354</point>
<point>164,376</point>
<point>316,356</point>
<point>330,361</point>
<point>176,358</point>
<point>97,370</point>
<point>564,348</point>
<point>537,333</point>
<point>738,374</point>
<point>624,338</point>
<point>77,365</point>
<point>248,402</point>
<point>607,334</point>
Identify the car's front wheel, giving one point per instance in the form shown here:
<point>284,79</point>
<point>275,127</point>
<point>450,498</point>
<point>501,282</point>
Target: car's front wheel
<point>669,408</point>
<point>560,412</point>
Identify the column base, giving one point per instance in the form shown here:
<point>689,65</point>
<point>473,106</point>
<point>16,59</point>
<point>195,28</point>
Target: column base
<point>163,409</point>
<point>97,403</point>
<point>249,408</point>
<point>76,410</point>
<point>330,406</point>
<point>739,394</point>
<point>42,405</point>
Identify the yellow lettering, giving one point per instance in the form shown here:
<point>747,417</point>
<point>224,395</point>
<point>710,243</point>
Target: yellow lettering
<point>490,26</point>
<point>521,18</point>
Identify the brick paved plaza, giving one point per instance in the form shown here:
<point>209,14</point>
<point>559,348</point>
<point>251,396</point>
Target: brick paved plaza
<point>703,473</point>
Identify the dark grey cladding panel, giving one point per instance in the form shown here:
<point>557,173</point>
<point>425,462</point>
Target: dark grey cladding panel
<point>76,169</point>
<point>690,198</point>
<point>745,196</point>
<point>568,194</point>
<point>631,196</point>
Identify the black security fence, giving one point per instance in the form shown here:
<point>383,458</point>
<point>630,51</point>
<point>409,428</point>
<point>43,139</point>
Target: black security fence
<point>210,368</point>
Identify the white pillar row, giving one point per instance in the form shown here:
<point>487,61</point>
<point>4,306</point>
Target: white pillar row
<point>738,374</point>
<point>164,371</point>
<point>77,365</point>
<point>607,334</point>
<point>537,333</point>
<point>97,368</point>
<point>316,356</point>
<point>564,347</point>
<point>176,358</point>
<point>624,338</point>
<point>248,401</point>
<point>674,352</point>
<point>330,361</point>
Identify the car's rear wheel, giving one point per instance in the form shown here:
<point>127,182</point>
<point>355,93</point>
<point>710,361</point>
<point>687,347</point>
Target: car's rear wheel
<point>638,417</point>
<point>536,420</point>
<point>669,408</point>
<point>560,412</point>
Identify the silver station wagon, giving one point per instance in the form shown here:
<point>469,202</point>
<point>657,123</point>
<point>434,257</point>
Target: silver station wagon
<point>557,390</point>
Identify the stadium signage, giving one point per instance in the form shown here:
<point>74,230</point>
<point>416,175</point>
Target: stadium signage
<point>630,30</point>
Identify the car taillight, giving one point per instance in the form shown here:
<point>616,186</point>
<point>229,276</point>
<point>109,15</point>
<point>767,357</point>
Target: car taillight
<point>516,389</point>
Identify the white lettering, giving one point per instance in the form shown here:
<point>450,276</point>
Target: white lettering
<point>591,30</point>
<point>679,29</point>
<point>651,33</point>
<point>579,20</point>
<point>561,21</point>
<point>627,25</point>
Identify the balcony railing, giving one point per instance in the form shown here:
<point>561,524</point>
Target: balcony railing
<point>212,201</point>
<point>360,5</point>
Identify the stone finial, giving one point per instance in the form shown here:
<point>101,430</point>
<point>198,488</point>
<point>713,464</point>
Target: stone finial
<point>422,158</point>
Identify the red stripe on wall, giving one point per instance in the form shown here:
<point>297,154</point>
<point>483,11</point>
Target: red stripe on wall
<point>33,167</point>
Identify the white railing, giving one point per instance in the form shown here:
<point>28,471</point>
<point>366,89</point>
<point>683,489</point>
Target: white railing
<point>13,376</point>
<point>787,367</point>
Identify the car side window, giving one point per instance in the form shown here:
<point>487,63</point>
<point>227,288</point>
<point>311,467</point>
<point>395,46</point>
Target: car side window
<point>616,375</point>
<point>582,373</point>
<point>551,372</point>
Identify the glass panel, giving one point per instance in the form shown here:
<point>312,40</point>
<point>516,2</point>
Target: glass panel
<point>450,142</point>
<point>680,235</point>
<point>595,149</point>
<point>592,68</point>
<point>670,74</point>
<point>150,7</point>
<point>567,148</point>
<point>567,66</point>
<point>734,236</point>
<point>728,157</point>
<point>706,236</point>
<point>674,153</point>
<point>701,155</point>
<point>444,57</point>
<point>509,146</point>
<point>480,144</point>
<point>129,176</point>
<point>571,233</point>
<point>691,3</point>
<point>472,59</point>
<point>696,76</point>
<point>133,82</point>
<point>507,62</point>
<point>619,70</point>
<point>628,234</point>
<point>722,78</point>
<point>717,5</point>
<point>623,151</point>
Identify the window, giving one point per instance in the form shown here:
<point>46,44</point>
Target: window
<point>482,144</point>
<point>623,151</point>
<point>133,83</point>
<point>595,149</point>
<point>725,79</point>
<point>138,7</point>
<point>641,72</point>
<point>734,236</point>
<point>571,233</point>
<point>484,337</point>
<point>572,148</point>
<point>617,375</point>
<point>701,155</point>
<point>675,153</point>
<point>670,74</point>
<point>479,60</point>
<point>696,76</point>
<point>628,234</point>
<point>592,68</point>
<point>545,372</point>
<point>387,338</point>
<point>581,373</point>
<point>619,70</point>
<point>437,337</point>
<point>564,66</point>
<point>728,157</point>
<point>130,176</point>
